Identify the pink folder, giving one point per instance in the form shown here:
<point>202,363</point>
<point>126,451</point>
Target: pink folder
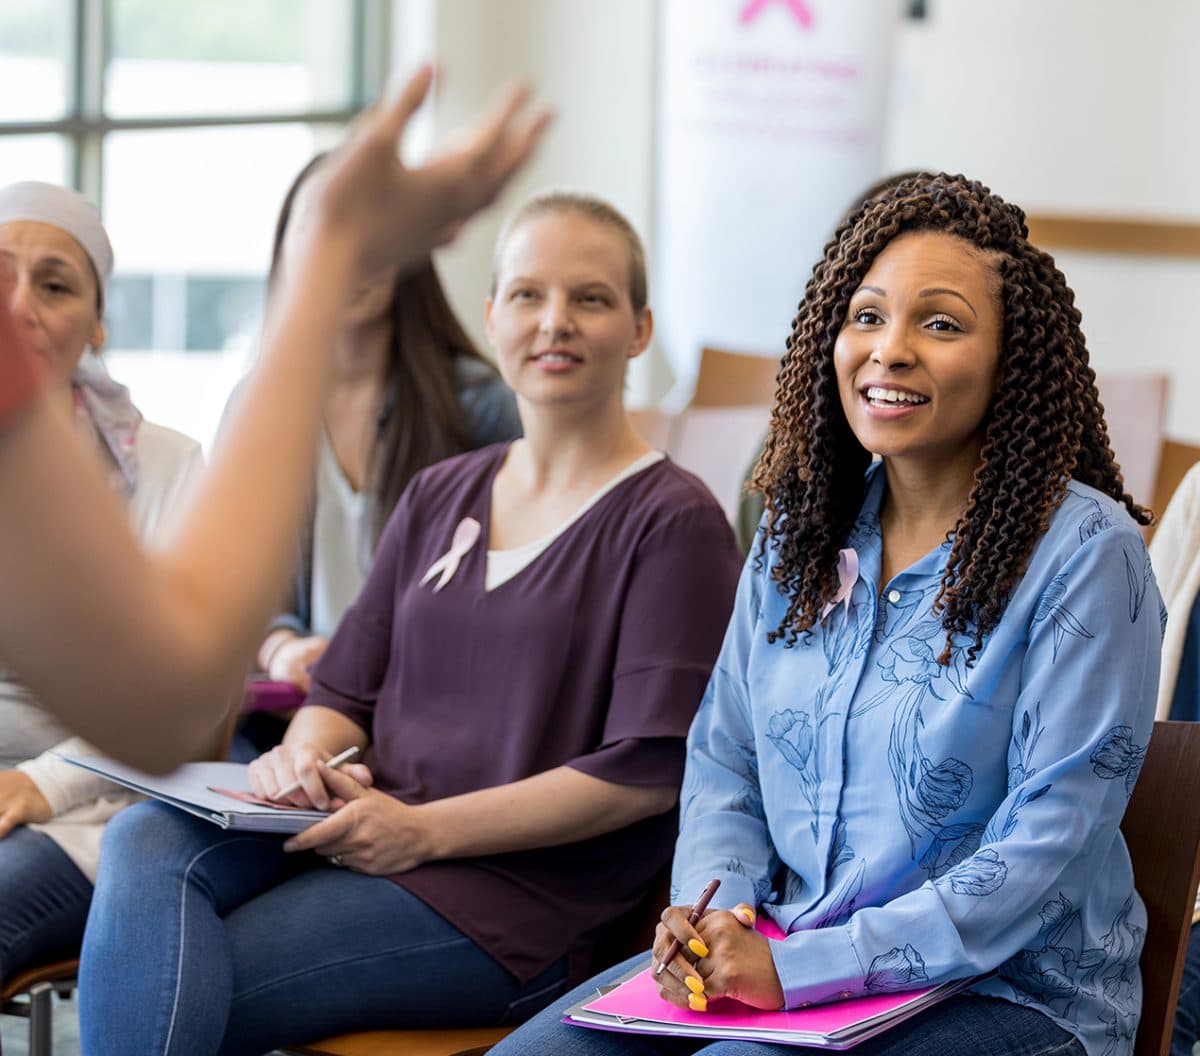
<point>635,1006</point>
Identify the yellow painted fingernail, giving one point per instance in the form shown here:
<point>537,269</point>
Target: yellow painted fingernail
<point>694,983</point>
<point>746,913</point>
<point>697,1002</point>
<point>697,947</point>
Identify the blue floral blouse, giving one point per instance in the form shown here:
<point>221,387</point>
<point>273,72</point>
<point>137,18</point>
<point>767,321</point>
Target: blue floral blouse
<point>908,824</point>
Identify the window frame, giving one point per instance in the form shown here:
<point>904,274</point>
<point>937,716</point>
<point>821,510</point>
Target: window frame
<point>84,126</point>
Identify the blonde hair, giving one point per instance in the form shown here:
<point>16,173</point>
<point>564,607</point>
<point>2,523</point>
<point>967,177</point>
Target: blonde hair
<point>591,207</point>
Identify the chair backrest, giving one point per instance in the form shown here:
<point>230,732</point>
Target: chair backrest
<point>1135,407</point>
<point>1174,462</point>
<point>718,444</point>
<point>734,379</point>
<point>1162,831</point>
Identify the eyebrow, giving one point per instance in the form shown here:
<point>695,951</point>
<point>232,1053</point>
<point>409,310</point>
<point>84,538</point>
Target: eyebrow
<point>933,292</point>
<point>45,262</point>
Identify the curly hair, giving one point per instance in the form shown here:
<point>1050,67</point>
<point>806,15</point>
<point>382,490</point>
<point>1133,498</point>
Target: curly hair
<point>1044,427</point>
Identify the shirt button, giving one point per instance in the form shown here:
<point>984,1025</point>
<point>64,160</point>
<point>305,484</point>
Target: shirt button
<point>893,596</point>
<point>845,994</point>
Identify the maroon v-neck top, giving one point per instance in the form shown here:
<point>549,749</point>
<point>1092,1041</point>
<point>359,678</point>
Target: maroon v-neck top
<point>594,656</point>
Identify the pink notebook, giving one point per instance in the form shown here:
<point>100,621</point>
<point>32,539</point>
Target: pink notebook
<point>635,1006</point>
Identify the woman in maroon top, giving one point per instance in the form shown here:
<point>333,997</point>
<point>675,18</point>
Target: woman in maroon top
<point>520,668</point>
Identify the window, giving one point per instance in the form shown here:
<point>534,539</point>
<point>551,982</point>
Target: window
<point>185,122</point>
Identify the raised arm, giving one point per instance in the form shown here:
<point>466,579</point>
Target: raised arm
<point>158,640</point>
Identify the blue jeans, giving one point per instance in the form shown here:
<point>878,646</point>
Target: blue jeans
<point>981,1026</point>
<point>1187,1012</point>
<point>207,941</point>
<point>43,902</point>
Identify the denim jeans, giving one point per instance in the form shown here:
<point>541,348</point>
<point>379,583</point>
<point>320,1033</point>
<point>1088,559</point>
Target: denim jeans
<point>43,902</point>
<point>1187,1012</point>
<point>207,941</point>
<point>980,1026</point>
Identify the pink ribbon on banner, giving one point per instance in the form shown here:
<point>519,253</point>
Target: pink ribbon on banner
<point>799,9</point>
<point>466,535</point>
<point>847,571</point>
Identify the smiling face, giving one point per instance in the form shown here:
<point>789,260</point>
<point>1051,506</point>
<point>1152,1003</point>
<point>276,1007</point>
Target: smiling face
<point>918,355</point>
<point>561,321</point>
<point>54,298</point>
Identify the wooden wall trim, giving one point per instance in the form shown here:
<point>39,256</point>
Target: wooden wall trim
<point>1149,238</point>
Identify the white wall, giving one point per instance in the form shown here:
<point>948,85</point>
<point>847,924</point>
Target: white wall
<point>1080,107</point>
<point>1067,106</point>
<point>595,63</point>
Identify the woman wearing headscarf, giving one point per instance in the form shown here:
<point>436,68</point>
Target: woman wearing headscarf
<point>51,813</point>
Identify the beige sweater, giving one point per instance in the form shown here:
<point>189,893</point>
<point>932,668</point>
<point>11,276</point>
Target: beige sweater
<point>168,462</point>
<point>1175,554</point>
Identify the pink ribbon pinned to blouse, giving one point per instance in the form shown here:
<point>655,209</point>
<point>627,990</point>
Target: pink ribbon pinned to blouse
<point>466,535</point>
<point>847,570</point>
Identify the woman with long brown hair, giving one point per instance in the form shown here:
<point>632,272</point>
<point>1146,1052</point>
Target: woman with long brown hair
<point>935,694</point>
<point>410,389</point>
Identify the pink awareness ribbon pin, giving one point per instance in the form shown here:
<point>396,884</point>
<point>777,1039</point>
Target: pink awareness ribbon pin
<point>799,9</point>
<point>466,535</point>
<point>847,569</point>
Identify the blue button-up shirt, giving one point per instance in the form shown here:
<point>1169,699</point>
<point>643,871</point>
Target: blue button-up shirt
<point>908,824</point>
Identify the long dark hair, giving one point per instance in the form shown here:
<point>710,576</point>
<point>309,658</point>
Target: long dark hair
<point>421,420</point>
<point>1045,425</point>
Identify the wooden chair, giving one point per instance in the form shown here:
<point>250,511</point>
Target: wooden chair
<point>459,1042</point>
<point>1173,465</point>
<point>1162,831</point>
<point>30,995</point>
<point>734,379</point>
<point>632,934</point>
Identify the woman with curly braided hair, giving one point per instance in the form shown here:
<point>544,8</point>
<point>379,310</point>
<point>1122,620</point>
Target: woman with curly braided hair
<point>934,696</point>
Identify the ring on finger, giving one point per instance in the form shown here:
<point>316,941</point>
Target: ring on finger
<point>336,859</point>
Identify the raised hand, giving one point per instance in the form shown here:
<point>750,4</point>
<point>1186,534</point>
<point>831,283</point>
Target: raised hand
<point>392,216</point>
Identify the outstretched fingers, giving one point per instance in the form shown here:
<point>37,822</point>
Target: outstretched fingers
<point>395,111</point>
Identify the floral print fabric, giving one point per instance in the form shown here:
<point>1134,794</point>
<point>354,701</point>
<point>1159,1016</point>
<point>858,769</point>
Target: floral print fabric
<point>909,823</point>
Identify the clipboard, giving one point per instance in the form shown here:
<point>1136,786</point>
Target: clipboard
<point>193,788</point>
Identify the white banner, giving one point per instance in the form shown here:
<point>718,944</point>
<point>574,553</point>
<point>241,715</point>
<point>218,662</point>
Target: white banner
<point>770,125</point>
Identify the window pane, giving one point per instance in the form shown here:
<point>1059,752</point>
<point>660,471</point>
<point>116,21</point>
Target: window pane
<point>35,38</point>
<point>33,158</point>
<point>229,57</point>
<point>191,214</point>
